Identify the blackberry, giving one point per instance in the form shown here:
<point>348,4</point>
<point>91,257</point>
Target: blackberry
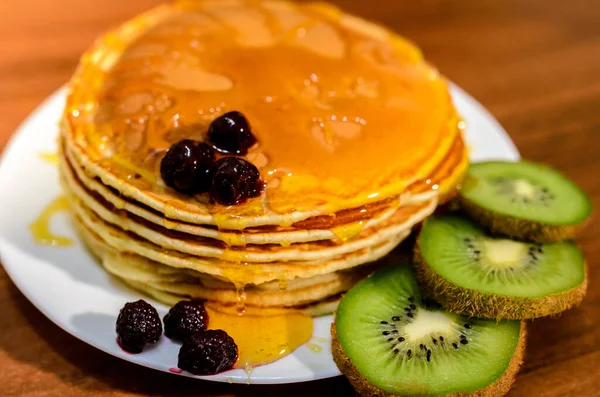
<point>230,133</point>
<point>187,166</point>
<point>208,352</point>
<point>137,325</point>
<point>235,180</point>
<point>185,318</point>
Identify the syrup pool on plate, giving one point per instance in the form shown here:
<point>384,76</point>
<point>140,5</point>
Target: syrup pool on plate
<point>261,337</point>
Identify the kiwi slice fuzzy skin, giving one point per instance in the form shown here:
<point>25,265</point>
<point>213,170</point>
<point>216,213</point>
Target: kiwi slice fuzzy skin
<point>471,273</point>
<point>525,200</point>
<point>390,340</point>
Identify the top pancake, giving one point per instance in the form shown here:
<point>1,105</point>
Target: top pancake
<point>345,112</point>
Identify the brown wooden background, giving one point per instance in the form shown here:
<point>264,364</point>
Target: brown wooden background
<point>534,64</point>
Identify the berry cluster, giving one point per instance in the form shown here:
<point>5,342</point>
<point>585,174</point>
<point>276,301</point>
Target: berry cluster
<point>203,352</point>
<point>190,167</point>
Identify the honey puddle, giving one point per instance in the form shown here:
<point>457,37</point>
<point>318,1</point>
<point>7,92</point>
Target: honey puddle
<point>262,339</point>
<point>49,157</point>
<point>40,228</point>
<point>314,347</point>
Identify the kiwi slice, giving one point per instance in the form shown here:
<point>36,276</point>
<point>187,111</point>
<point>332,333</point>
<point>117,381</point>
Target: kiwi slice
<point>473,273</point>
<point>525,200</point>
<point>390,340</point>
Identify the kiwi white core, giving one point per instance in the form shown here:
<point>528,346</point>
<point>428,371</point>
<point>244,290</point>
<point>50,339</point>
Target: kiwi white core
<point>428,322</point>
<point>504,253</point>
<point>524,188</point>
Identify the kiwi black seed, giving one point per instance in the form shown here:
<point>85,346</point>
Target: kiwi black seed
<point>434,354</point>
<point>473,273</point>
<point>525,200</point>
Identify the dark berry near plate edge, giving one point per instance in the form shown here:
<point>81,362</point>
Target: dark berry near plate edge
<point>235,180</point>
<point>230,133</point>
<point>185,319</point>
<point>187,166</point>
<point>208,352</point>
<point>137,325</point>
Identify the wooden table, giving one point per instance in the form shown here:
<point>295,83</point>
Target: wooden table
<point>534,64</point>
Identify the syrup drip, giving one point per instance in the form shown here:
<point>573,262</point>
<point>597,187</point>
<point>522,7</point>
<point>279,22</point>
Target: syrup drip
<point>262,339</point>
<point>172,208</point>
<point>248,368</point>
<point>285,242</point>
<point>233,256</point>
<point>40,228</point>
<point>168,224</point>
<point>234,239</point>
<point>240,298</point>
<point>349,231</point>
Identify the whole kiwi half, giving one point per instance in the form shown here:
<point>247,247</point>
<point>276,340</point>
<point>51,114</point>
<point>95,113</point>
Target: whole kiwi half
<point>474,273</point>
<point>525,200</point>
<point>391,340</point>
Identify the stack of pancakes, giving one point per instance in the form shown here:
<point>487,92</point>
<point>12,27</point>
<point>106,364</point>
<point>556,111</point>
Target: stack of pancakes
<point>358,141</point>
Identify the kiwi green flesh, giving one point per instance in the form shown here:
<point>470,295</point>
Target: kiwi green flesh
<point>461,252</point>
<point>420,349</point>
<point>526,191</point>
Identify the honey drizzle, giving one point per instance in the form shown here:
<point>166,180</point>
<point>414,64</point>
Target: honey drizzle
<point>283,284</point>
<point>40,228</point>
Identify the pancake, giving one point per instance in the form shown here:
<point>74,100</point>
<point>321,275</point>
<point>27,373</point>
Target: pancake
<point>358,141</point>
<point>446,178</point>
<point>314,309</point>
<point>314,229</point>
<point>386,86</point>
<point>288,297</point>
<point>305,287</point>
<point>171,285</point>
<point>294,293</point>
<point>236,272</point>
<point>402,220</point>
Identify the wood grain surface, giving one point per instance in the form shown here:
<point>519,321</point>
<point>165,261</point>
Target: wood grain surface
<point>534,64</point>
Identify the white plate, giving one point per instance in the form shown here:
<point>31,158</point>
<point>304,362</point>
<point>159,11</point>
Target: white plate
<point>68,286</point>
